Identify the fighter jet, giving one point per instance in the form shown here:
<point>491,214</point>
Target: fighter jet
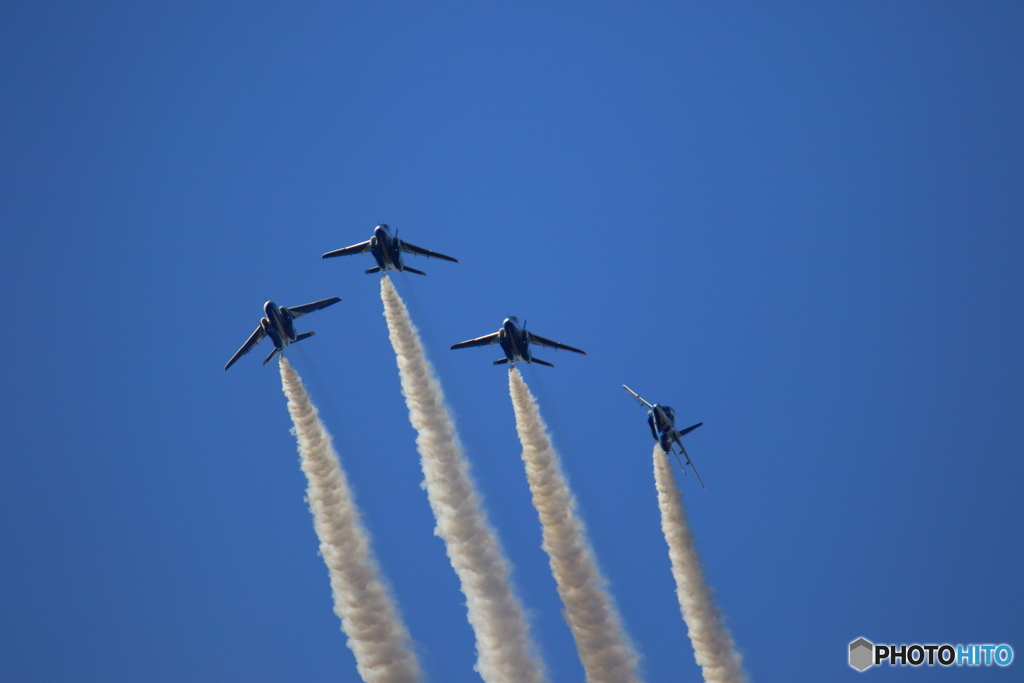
<point>662,420</point>
<point>387,249</point>
<point>515,342</point>
<point>277,324</point>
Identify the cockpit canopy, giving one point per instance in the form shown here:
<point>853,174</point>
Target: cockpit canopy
<point>669,412</point>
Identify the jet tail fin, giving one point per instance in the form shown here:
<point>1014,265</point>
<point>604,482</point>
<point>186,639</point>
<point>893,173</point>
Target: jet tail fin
<point>501,361</point>
<point>272,354</point>
<point>307,335</point>
<point>375,269</point>
<point>542,362</point>
<point>413,270</point>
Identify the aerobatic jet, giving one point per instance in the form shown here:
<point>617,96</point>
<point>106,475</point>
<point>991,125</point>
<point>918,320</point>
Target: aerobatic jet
<point>515,342</point>
<point>662,420</point>
<point>277,324</point>
<point>387,249</point>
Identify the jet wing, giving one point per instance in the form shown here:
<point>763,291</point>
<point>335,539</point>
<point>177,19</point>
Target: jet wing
<point>248,346</point>
<point>420,251</point>
<point>688,461</point>
<point>360,248</point>
<point>299,311</point>
<point>541,341</point>
<point>637,396</point>
<point>479,341</point>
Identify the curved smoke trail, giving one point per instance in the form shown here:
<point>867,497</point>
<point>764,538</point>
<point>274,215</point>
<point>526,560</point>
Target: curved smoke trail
<point>376,634</point>
<point>713,647</point>
<point>505,653</point>
<point>604,648</point>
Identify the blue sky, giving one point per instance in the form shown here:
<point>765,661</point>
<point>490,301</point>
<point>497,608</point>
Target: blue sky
<point>801,224</point>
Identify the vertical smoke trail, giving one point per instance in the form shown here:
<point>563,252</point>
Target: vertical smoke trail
<point>505,653</point>
<point>604,648</point>
<point>376,634</point>
<point>712,644</point>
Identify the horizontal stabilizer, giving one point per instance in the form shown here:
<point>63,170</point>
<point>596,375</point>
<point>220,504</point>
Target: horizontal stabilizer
<point>375,269</point>
<point>306,335</point>
<point>413,270</point>
<point>686,431</point>
<point>272,354</point>
<point>501,361</point>
<point>542,362</point>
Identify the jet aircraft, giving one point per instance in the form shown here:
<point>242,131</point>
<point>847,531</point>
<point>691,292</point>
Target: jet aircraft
<point>662,420</point>
<point>387,249</point>
<point>277,324</point>
<point>515,342</point>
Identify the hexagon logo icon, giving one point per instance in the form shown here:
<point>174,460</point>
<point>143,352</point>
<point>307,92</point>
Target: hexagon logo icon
<point>862,654</point>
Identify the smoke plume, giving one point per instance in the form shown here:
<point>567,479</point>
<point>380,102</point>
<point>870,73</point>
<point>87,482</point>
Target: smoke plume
<point>713,647</point>
<point>604,648</point>
<point>505,653</point>
<point>376,634</point>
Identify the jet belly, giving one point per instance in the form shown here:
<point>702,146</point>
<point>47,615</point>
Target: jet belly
<point>380,247</point>
<point>289,327</point>
<point>395,254</point>
<point>279,328</point>
<point>512,345</point>
<point>275,336</point>
<point>508,346</point>
<point>379,254</point>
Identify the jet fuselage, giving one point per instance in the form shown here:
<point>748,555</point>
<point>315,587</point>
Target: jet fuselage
<point>662,420</point>
<point>386,248</point>
<point>514,341</point>
<point>278,324</point>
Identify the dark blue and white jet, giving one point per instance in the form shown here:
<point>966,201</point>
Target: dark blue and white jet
<point>662,420</point>
<point>515,342</point>
<point>277,324</point>
<point>388,249</point>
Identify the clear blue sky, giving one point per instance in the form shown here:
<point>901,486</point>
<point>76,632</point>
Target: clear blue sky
<point>801,224</point>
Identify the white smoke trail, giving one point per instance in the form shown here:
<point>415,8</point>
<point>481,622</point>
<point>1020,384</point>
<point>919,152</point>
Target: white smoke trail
<point>713,647</point>
<point>376,634</point>
<point>604,648</point>
<point>505,653</point>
